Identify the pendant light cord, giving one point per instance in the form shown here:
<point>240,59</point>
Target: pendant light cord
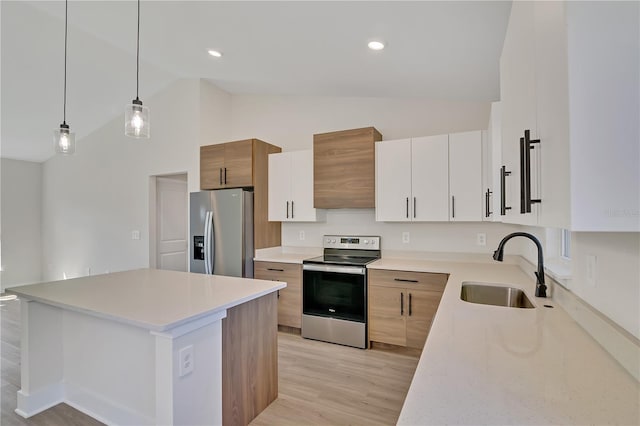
<point>138,54</point>
<point>64,105</point>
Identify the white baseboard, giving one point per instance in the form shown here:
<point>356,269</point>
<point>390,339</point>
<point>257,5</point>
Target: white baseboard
<point>35,402</point>
<point>619,343</point>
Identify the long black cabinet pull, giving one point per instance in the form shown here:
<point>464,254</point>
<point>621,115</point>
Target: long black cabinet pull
<point>275,269</point>
<point>487,199</point>
<point>401,303</point>
<point>287,210</point>
<point>403,280</point>
<point>527,147</point>
<point>523,177</point>
<point>220,175</point>
<point>503,190</point>
<point>292,216</point>
<point>409,304</point>
<point>407,207</point>
<point>453,207</point>
<point>225,175</point>
<point>414,207</point>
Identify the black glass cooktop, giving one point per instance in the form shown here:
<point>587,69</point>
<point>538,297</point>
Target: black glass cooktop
<point>342,260</point>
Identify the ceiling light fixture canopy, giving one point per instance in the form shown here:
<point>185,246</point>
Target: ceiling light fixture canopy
<point>376,45</point>
<point>137,121</point>
<point>64,140</point>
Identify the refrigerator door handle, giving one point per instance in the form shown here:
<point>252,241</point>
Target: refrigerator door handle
<point>212,244</point>
<point>207,241</point>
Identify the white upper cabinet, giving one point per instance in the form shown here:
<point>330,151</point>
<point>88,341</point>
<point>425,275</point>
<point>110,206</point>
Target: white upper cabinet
<point>465,176</point>
<point>393,180</point>
<point>291,187</point>
<point>430,177</point>
<point>425,179</point>
<point>569,74</point>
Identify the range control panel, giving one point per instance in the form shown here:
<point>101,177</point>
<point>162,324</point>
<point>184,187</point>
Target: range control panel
<point>359,242</point>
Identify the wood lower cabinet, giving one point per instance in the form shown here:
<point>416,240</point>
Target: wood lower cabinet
<point>402,305</point>
<point>289,298</point>
<point>243,164</point>
<point>344,169</point>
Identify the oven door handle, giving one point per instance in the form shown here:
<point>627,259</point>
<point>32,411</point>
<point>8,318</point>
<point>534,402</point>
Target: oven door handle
<point>354,270</point>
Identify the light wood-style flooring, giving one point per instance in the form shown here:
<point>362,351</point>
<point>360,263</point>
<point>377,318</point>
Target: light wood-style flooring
<point>319,383</point>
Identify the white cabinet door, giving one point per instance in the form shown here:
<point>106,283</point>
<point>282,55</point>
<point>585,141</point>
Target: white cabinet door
<point>465,176</point>
<point>393,181</point>
<point>430,178</point>
<point>280,186</point>
<point>518,93</point>
<point>302,187</point>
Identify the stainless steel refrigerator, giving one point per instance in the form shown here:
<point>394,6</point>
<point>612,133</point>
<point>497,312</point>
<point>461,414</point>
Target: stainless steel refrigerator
<point>221,232</point>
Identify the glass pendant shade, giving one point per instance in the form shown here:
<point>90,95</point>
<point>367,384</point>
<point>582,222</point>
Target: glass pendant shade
<point>64,140</point>
<point>137,123</point>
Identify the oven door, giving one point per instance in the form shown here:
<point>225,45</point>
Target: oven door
<point>335,292</point>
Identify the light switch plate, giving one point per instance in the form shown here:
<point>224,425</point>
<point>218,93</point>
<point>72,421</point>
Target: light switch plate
<point>185,357</point>
<point>135,235</point>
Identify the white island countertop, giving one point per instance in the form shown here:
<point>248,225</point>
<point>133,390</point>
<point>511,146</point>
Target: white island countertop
<point>496,365</point>
<point>154,299</point>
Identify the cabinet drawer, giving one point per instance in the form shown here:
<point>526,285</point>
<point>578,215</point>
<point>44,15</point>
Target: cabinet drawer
<point>408,279</point>
<point>276,271</point>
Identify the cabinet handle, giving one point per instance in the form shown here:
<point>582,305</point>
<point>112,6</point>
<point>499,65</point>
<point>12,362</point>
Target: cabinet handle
<point>401,303</point>
<point>414,207</point>
<point>503,190</point>
<point>220,175</point>
<point>287,210</point>
<point>403,280</point>
<point>225,175</point>
<point>453,207</point>
<point>407,208</point>
<point>523,178</point>
<point>487,196</point>
<point>527,142</point>
<point>292,215</point>
<point>278,294</point>
<point>275,269</point>
<point>409,304</point>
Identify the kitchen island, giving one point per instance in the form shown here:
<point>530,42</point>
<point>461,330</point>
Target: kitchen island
<point>150,347</point>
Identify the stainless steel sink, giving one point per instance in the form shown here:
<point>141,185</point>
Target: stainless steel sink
<point>487,294</point>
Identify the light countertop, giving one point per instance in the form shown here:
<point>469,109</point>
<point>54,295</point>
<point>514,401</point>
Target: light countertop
<point>286,254</point>
<point>149,298</point>
<point>495,365</point>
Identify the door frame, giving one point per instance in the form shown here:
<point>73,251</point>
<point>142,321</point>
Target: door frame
<point>153,212</point>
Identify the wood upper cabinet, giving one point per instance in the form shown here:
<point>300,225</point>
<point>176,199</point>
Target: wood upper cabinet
<point>243,164</point>
<point>402,305</point>
<point>227,165</point>
<point>291,187</point>
<point>289,298</point>
<point>344,168</point>
<point>465,176</point>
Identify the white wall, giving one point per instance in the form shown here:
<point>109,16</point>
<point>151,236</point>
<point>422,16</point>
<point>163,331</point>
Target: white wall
<point>21,215</point>
<point>93,200</point>
<point>616,289</point>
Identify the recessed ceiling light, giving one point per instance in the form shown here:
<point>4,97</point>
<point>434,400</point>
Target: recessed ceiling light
<point>214,53</point>
<point>376,45</point>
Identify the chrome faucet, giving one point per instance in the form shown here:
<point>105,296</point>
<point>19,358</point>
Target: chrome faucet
<point>541,288</point>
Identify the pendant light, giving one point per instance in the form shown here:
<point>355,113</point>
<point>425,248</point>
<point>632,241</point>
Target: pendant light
<point>65,141</point>
<point>136,116</point>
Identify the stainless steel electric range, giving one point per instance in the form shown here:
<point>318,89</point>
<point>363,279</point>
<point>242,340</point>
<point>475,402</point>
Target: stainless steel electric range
<point>334,290</point>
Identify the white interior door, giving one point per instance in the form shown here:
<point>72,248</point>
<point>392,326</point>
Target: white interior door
<point>171,223</point>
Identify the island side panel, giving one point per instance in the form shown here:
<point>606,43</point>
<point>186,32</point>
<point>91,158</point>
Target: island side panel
<point>249,359</point>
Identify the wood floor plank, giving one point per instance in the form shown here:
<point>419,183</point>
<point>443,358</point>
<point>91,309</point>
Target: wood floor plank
<point>325,384</point>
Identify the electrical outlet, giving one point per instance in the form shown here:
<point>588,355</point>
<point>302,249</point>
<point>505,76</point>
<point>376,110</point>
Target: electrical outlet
<point>135,235</point>
<point>481,239</point>
<point>591,270</point>
<point>185,358</point>
<point>301,235</point>
<point>406,238</point>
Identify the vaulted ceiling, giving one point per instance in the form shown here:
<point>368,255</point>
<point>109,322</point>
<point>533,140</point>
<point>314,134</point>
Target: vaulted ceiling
<point>440,50</point>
